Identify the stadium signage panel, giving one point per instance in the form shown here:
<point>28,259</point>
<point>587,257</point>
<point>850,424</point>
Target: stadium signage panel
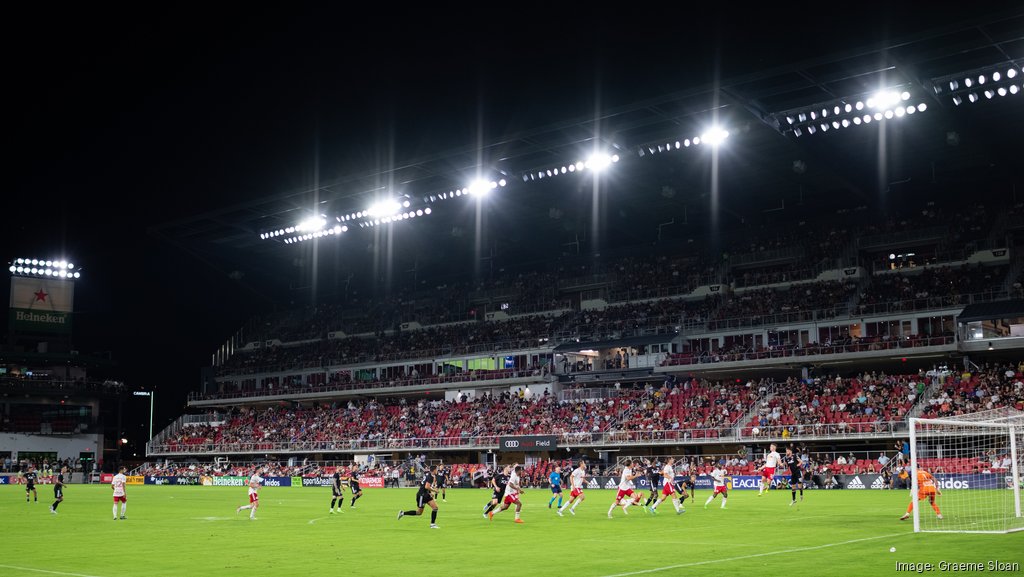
<point>4,480</point>
<point>135,480</point>
<point>106,477</point>
<point>752,481</point>
<point>316,481</point>
<point>372,482</point>
<point>528,443</point>
<point>979,481</point>
<point>229,481</point>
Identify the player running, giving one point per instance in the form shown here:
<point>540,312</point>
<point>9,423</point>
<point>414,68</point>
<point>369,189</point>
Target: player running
<point>337,493</point>
<point>653,472</point>
<point>577,480</point>
<point>625,497</point>
<point>118,484</point>
<point>498,482</point>
<point>425,497</point>
<point>926,488</point>
<point>668,479</point>
<point>58,492</point>
<point>255,481</point>
<point>796,474</point>
<point>555,480</point>
<point>771,462</point>
<point>353,487</point>
<point>443,475</point>
<point>720,478</point>
<point>512,492</point>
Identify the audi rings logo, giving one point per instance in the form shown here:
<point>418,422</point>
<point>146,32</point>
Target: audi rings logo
<point>528,443</point>
<point>511,444</point>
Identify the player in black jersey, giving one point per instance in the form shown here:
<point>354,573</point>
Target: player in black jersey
<point>58,492</point>
<point>425,497</point>
<point>498,482</point>
<point>30,484</point>
<point>353,485</point>
<point>337,493</point>
<point>796,478</point>
<point>442,481</point>
<point>653,471</point>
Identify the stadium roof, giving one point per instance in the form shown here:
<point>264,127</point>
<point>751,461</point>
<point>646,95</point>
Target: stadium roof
<point>665,197</point>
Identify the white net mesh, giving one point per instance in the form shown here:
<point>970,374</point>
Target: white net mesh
<point>975,464</point>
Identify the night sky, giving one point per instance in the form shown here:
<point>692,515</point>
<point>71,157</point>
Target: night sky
<point>119,120</point>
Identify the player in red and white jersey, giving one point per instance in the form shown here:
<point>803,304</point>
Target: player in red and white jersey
<point>668,477</point>
<point>254,484</point>
<point>625,496</point>
<point>511,495</point>
<point>118,484</point>
<point>771,461</point>
<point>577,480</point>
<point>720,478</point>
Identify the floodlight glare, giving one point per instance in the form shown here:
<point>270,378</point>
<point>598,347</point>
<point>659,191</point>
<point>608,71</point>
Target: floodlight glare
<point>599,162</point>
<point>957,100</point>
<point>1014,89</point>
<point>478,187</point>
<point>716,135</point>
<point>996,77</point>
<point>77,275</point>
<point>13,268</point>
<point>384,208</point>
<point>1001,91</point>
<point>1011,73</point>
<point>312,223</point>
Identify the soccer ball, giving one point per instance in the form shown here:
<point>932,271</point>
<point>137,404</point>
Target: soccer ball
<point>892,549</point>
<point>755,431</point>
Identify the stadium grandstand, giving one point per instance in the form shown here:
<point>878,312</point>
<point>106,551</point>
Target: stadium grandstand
<point>819,289</point>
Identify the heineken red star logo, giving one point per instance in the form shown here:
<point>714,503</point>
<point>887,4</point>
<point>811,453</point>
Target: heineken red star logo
<point>40,295</point>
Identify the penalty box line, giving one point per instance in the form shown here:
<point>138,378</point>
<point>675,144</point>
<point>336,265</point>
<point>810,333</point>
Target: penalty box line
<point>756,555</point>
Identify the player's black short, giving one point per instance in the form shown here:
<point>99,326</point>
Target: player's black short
<point>30,487</point>
<point>337,491</point>
<point>496,495</point>
<point>680,488</point>
<point>442,482</point>
<point>58,492</point>
<point>423,497</point>
<point>354,486</point>
<point>795,479</point>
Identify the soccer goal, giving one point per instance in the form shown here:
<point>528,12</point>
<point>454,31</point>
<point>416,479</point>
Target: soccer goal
<point>975,461</point>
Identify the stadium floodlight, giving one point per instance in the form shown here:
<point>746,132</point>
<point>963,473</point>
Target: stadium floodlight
<point>313,223</point>
<point>384,208</point>
<point>600,161</point>
<point>715,136</point>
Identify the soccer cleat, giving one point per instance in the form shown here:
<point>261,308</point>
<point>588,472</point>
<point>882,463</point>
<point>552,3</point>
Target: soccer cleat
<point>331,511</point>
<point>434,526</point>
<point>791,503</point>
<point>549,505</point>
<point>560,513</point>
<point>401,514</point>
<point>519,520</point>
<point>52,510</point>
<point>609,515</point>
<point>572,512</point>
<point>123,517</point>
<point>443,501</point>
<point>939,516</point>
<point>905,517</point>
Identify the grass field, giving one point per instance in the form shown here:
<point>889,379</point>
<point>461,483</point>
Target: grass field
<point>177,531</point>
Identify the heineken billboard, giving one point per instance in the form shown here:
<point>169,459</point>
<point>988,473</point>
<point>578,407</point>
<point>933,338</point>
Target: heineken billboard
<point>41,305</point>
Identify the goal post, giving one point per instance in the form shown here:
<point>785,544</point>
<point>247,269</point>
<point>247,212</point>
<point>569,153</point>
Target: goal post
<point>976,464</point>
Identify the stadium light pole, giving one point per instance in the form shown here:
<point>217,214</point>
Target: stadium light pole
<point>149,394</point>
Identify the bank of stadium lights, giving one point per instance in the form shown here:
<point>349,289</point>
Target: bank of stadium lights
<point>847,112</point>
<point>476,188</point>
<point>980,84</point>
<point>44,268</point>
<point>596,163</point>
<point>712,137</point>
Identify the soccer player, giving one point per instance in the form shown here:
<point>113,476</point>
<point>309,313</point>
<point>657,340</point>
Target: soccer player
<point>653,472</point>
<point>686,488</point>
<point>58,492</point>
<point>555,479</point>
<point>624,496</point>
<point>771,461</point>
<point>118,484</point>
<point>254,495</point>
<point>337,493</point>
<point>577,480</point>
<point>498,482</point>
<point>30,484</point>
<point>668,479</point>
<point>796,474</point>
<point>719,478</point>
<point>353,487</point>
<point>425,497</point>
<point>511,495</point>
<point>926,488</point>
<point>442,481</point>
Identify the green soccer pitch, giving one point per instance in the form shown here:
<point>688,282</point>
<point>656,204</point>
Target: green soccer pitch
<point>185,531</point>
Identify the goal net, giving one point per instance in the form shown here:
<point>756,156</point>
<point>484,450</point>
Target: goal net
<point>974,462</point>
